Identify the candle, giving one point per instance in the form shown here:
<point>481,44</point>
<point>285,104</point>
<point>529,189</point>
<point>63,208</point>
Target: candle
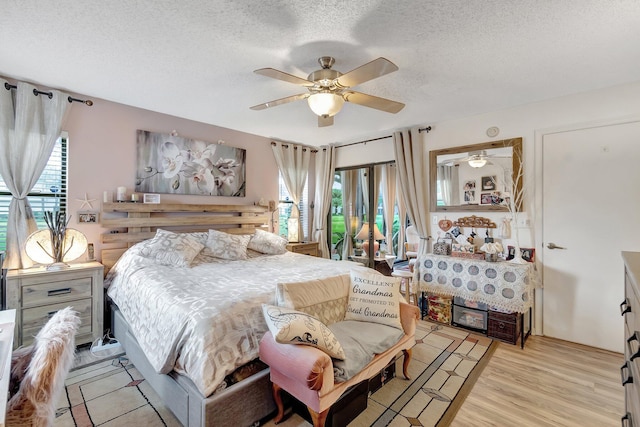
<point>135,197</point>
<point>121,194</point>
<point>106,197</point>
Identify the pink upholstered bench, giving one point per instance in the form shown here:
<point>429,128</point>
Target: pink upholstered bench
<point>306,372</point>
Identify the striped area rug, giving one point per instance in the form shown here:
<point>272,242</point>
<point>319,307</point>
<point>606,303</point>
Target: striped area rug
<point>445,365</point>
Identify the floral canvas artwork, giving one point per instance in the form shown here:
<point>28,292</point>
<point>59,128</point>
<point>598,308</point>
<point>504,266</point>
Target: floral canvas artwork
<point>176,165</point>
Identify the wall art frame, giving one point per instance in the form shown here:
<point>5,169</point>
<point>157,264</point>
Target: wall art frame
<point>172,164</point>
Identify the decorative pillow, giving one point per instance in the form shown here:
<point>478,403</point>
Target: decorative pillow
<point>374,298</point>
<point>268,243</point>
<point>175,249</point>
<point>294,327</point>
<point>227,246</point>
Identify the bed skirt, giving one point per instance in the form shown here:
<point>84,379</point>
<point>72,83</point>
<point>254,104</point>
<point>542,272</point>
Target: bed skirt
<point>243,404</point>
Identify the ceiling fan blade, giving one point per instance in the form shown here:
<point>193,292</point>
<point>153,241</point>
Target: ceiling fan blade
<point>369,71</point>
<point>373,101</point>
<point>281,75</point>
<point>325,121</point>
<point>280,101</point>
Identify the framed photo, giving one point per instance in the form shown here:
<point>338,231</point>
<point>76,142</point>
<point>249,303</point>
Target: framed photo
<point>528,254</point>
<point>485,198</point>
<point>488,183</point>
<point>469,185</point>
<point>88,217</point>
<point>151,198</point>
<point>492,198</point>
<point>470,197</point>
<point>172,164</point>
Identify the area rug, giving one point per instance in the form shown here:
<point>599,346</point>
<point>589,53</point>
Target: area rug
<point>445,365</point>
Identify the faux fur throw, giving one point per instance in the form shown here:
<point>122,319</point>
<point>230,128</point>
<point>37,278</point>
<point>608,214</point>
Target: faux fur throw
<point>51,358</point>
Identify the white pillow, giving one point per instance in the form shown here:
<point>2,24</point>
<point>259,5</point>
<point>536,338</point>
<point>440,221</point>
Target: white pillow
<point>374,298</point>
<point>227,246</point>
<point>175,249</point>
<point>268,243</point>
<point>294,327</point>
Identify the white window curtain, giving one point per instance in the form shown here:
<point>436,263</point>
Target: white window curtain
<point>293,162</point>
<point>29,128</point>
<point>364,182</point>
<point>413,175</point>
<point>389,201</point>
<point>325,168</point>
<point>402,215</point>
<point>349,179</point>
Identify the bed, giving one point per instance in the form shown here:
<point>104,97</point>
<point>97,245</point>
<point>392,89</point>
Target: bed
<point>187,328</point>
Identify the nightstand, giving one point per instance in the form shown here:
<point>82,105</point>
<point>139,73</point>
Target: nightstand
<point>306,248</point>
<point>37,294</point>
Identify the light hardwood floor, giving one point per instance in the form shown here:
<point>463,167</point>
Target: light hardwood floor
<point>549,383</point>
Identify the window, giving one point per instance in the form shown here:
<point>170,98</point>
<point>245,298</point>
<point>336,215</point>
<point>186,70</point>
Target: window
<point>49,193</point>
<point>285,208</point>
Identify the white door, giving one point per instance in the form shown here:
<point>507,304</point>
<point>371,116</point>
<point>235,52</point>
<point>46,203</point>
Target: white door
<point>591,207</point>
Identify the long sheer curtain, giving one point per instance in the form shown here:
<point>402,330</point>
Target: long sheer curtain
<point>293,162</point>
<point>413,175</point>
<point>29,128</point>
<point>325,168</point>
<point>388,177</point>
<point>402,215</point>
<point>349,180</point>
<point>364,184</point>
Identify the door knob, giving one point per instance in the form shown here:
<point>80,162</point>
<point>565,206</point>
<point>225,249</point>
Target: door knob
<point>554,246</point>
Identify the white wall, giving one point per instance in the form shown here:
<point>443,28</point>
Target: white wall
<point>523,121</point>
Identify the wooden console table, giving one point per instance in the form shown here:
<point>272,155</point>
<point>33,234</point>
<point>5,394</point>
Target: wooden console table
<point>503,285</point>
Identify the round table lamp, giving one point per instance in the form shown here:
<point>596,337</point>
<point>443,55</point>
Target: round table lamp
<point>363,234</point>
<point>39,248</point>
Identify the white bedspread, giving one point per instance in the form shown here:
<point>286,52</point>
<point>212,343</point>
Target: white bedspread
<point>205,321</point>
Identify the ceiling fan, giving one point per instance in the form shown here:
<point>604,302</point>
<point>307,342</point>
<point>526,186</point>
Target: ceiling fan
<point>475,159</point>
<point>328,89</point>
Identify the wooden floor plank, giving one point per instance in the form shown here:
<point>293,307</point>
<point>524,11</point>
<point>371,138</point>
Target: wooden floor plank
<point>549,383</point>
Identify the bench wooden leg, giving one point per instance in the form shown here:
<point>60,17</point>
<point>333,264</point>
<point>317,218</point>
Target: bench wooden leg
<point>318,418</point>
<point>278,400</point>
<point>405,363</point>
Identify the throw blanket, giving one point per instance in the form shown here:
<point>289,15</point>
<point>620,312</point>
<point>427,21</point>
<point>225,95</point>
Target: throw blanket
<point>205,321</point>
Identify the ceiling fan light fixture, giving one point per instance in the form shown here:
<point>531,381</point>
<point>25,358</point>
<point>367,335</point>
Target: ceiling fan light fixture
<point>477,162</point>
<point>325,103</point>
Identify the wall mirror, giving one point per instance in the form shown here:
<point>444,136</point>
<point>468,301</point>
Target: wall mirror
<point>476,177</point>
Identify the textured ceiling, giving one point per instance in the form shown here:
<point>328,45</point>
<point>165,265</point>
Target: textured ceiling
<point>195,58</point>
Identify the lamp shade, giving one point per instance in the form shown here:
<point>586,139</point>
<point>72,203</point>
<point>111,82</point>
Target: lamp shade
<point>39,246</point>
<point>363,234</point>
<point>293,227</point>
<point>477,162</point>
<point>325,103</point>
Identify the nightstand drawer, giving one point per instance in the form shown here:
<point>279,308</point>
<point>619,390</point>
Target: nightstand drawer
<point>308,248</point>
<point>36,293</point>
<point>33,319</point>
<point>53,292</point>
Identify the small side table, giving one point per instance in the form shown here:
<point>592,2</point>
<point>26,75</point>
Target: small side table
<point>382,264</point>
<point>305,248</point>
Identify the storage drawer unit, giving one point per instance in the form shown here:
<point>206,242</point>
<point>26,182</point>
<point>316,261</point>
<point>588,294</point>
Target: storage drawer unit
<point>504,326</point>
<point>469,318</point>
<point>37,294</point>
<point>439,308</point>
<point>630,310</point>
<point>470,304</point>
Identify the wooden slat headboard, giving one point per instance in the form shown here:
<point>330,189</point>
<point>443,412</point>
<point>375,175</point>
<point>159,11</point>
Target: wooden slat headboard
<point>129,223</point>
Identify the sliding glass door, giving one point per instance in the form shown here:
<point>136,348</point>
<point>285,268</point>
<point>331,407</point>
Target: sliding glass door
<point>358,227</point>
